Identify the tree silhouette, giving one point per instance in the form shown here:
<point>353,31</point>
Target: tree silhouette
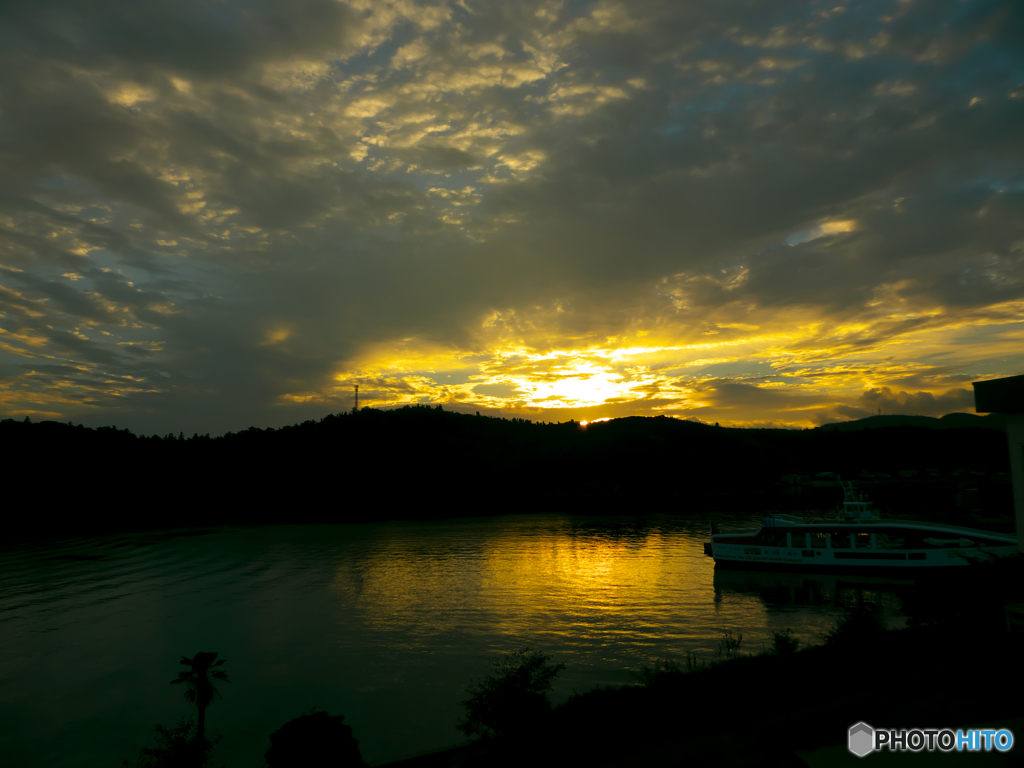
<point>198,679</point>
<point>177,747</point>
<point>513,699</point>
<point>314,740</point>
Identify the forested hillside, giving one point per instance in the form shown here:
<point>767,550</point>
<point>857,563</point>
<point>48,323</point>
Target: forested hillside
<point>426,462</point>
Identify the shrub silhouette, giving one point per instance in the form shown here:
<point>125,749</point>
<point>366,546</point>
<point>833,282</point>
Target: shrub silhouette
<point>177,747</point>
<point>783,643</point>
<point>314,740</point>
<point>512,700</point>
<point>658,673</point>
<point>857,627</point>
<point>729,647</point>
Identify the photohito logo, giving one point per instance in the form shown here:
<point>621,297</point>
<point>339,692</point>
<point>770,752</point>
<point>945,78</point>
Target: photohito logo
<point>861,738</point>
<point>864,739</point>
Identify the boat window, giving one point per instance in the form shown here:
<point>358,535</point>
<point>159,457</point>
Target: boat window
<point>840,540</point>
<point>769,537</point>
<point>818,540</point>
<point>883,541</point>
<point>943,541</point>
<point>912,539</point>
<point>862,540</point>
<point>798,540</point>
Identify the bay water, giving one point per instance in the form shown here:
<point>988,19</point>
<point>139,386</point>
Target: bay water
<point>384,623</point>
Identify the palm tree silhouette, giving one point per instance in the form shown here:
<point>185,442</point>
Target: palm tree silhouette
<point>198,679</point>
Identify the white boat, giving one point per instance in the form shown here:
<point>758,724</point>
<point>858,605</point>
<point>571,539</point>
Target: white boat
<point>857,540</point>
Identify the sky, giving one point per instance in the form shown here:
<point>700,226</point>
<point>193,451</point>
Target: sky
<point>217,214</point>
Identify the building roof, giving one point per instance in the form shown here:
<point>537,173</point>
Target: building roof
<point>999,395</point>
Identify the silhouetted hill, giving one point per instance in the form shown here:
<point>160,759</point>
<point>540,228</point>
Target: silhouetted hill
<point>949,421</point>
<point>425,462</point>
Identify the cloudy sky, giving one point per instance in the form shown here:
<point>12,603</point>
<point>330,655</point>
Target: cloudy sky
<point>224,213</point>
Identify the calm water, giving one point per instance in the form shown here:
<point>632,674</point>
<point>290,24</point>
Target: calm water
<point>384,623</point>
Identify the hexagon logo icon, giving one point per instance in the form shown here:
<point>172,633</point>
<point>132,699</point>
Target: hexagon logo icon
<point>862,737</point>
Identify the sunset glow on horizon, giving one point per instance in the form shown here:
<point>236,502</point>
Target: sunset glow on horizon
<point>757,215</point>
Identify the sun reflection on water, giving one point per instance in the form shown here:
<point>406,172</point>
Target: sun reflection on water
<point>637,592</point>
<point>540,583</point>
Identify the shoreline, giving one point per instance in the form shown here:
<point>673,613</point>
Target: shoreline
<point>731,712</point>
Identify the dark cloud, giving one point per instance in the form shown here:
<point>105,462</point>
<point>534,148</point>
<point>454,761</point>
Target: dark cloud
<point>190,37</point>
<point>917,403</point>
<point>62,297</point>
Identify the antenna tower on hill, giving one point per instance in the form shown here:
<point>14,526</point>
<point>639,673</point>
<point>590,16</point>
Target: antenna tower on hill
<point>355,408</point>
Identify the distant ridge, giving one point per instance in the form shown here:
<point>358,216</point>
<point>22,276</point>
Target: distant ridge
<point>949,421</point>
<point>422,462</point>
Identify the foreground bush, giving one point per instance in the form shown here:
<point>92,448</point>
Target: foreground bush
<point>314,740</point>
<point>512,701</point>
<point>177,747</point>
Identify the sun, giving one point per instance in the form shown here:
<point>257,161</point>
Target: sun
<point>574,382</point>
